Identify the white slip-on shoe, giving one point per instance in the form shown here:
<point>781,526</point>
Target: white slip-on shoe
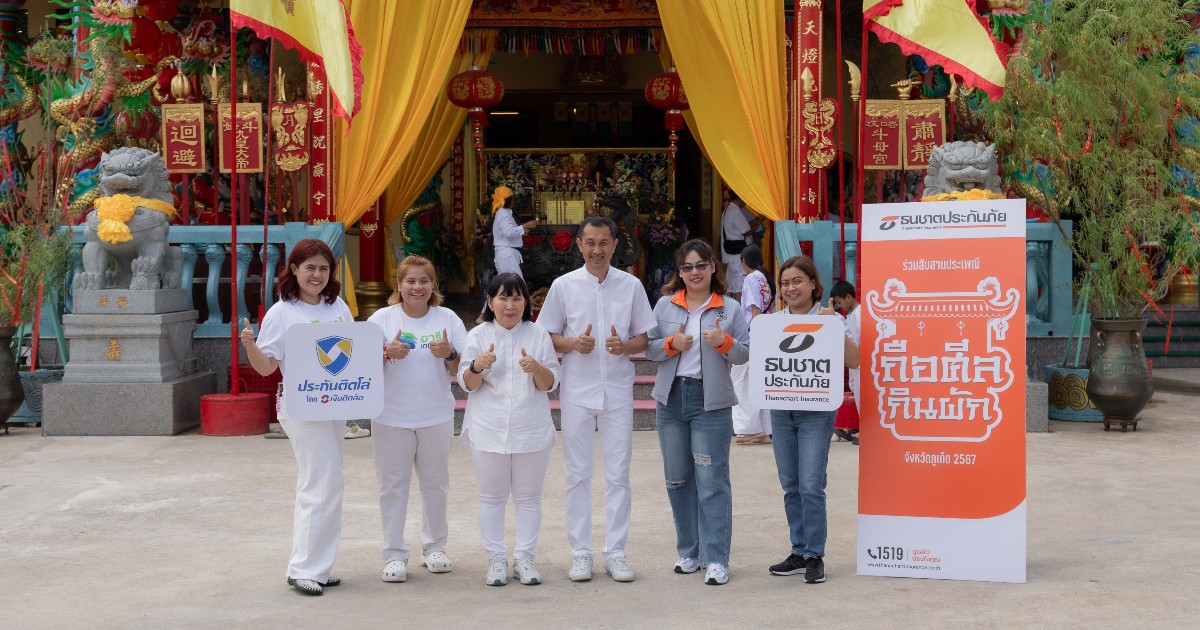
<point>355,431</point>
<point>581,569</point>
<point>395,571</point>
<point>437,561</point>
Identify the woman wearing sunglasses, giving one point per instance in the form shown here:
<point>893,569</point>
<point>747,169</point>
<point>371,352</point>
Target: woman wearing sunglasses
<point>699,334</point>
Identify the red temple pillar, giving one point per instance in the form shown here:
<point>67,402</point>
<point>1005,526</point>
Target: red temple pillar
<point>806,79</point>
<point>372,289</point>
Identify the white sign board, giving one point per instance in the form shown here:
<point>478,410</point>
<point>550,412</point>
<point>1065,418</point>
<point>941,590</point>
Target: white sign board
<point>796,362</point>
<point>334,371</point>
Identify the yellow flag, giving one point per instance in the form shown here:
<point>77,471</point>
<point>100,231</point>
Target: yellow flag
<point>320,31</point>
<point>945,32</point>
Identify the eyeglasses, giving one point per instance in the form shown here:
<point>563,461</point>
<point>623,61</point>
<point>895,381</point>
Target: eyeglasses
<point>700,266</point>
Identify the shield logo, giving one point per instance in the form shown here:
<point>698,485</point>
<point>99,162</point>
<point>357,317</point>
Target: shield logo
<point>334,354</point>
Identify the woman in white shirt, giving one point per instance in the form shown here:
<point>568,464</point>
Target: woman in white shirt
<point>508,367</point>
<point>307,294</point>
<point>801,439</point>
<point>416,427</point>
<point>751,424</point>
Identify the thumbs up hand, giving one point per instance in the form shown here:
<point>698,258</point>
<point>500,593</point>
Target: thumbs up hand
<point>486,360</point>
<point>827,310</point>
<point>442,348</point>
<point>585,343</point>
<point>681,341</point>
<point>529,364</point>
<point>614,343</point>
<point>247,334</point>
<point>396,349</point>
<point>714,336</point>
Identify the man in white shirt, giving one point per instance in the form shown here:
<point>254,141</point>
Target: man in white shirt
<point>597,303</point>
<point>845,300</point>
<point>737,231</point>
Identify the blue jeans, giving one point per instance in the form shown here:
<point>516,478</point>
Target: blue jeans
<point>695,450</point>
<point>801,442</point>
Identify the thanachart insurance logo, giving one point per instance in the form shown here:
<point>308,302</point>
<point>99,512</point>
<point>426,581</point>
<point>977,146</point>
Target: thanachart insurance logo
<point>887,223</point>
<point>334,354</point>
<point>801,339</point>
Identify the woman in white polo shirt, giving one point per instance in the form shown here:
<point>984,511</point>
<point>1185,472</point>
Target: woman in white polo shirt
<point>416,428</point>
<point>307,294</point>
<point>508,367</point>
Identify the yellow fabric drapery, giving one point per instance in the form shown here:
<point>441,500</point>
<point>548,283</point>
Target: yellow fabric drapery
<point>436,136</point>
<point>409,46</point>
<point>737,46</point>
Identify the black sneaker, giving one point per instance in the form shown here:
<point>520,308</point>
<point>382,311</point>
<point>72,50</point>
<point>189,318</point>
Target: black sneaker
<point>791,566</point>
<point>814,570</point>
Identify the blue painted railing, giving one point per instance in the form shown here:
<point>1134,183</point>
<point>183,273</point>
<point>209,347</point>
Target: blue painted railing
<point>213,242</point>
<point>1048,280</point>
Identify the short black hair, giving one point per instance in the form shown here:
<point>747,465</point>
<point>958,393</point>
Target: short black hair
<point>597,221</point>
<point>733,196</point>
<point>842,289</point>
<point>507,284</point>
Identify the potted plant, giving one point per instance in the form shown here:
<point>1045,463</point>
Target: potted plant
<point>1091,117</point>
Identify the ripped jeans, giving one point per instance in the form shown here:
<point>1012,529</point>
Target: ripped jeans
<point>695,450</point>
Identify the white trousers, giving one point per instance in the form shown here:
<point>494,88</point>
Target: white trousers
<point>508,260</point>
<point>317,520</point>
<point>579,427</point>
<point>747,418</point>
<point>520,475</point>
<point>397,452</point>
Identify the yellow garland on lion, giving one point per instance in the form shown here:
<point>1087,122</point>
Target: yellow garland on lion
<point>975,194</point>
<point>115,212</point>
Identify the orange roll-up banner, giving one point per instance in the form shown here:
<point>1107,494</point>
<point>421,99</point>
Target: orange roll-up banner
<point>942,462</point>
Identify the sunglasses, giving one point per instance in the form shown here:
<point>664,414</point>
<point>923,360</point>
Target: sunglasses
<point>701,267</point>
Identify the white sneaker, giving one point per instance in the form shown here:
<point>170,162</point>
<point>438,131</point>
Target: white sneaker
<point>524,570</point>
<point>497,573</point>
<point>355,431</point>
<point>395,571</point>
<point>687,565</point>
<point>618,568</point>
<point>437,561</point>
<point>581,569</point>
<point>716,575</point>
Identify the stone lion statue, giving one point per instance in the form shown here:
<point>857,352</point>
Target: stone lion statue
<point>129,226</point>
<point>962,166</point>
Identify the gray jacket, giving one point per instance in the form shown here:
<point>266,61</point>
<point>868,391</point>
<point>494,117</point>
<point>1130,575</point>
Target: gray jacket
<point>714,365</point>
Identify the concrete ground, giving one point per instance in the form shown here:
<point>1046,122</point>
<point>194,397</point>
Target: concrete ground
<point>193,532</point>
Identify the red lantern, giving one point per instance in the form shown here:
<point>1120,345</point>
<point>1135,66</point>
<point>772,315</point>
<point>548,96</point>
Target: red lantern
<point>665,91</point>
<point>474,90</point>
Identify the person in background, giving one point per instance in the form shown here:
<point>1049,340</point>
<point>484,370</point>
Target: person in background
<point>801,438</point>
<point>737,232</point>
<point>416,428</point>
<point>508,367</point>
<point>751,424</point>
<point>507,235</point>
<point>597,301</point>
<point>698,334</point>
<point>307,294</point>
<point>844,299</point>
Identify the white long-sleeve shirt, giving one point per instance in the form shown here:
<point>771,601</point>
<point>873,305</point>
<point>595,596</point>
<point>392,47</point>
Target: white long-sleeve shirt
<point>505,230</point>
<point>507,414</point>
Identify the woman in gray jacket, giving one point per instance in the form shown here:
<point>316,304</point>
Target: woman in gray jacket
<point>699,334</point>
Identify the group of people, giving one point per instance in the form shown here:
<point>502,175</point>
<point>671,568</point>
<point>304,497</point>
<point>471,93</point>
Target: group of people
<point>508,365</point>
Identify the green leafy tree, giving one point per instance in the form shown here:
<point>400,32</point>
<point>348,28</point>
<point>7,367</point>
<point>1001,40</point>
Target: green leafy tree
<point>1097,125</point>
